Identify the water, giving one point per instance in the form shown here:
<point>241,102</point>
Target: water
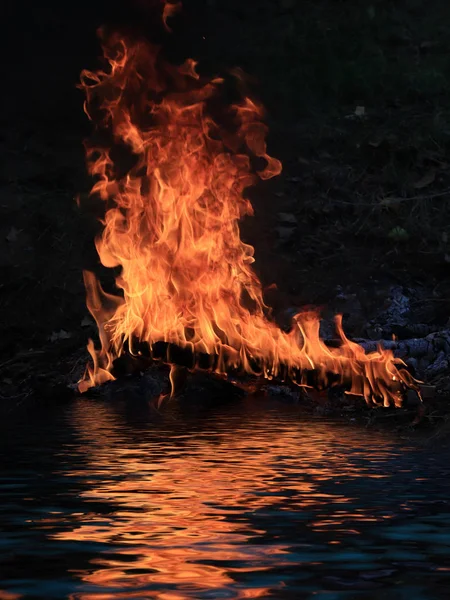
<point>247,500</point>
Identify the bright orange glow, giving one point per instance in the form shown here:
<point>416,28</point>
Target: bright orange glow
<point>171,225</point>
<point>185,513</point>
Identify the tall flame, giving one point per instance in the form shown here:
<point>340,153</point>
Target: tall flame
<point>171,225</point>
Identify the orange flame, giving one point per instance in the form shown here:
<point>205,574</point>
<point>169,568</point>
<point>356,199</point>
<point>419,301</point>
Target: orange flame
<point>171,225</point>
<point>170,9</point>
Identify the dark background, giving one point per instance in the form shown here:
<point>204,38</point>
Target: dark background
<point>366,193</point>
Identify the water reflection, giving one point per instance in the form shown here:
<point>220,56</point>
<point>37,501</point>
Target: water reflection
<point>186,505</point>
<point>240,502</point>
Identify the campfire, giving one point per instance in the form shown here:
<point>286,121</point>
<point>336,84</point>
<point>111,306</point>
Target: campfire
<point>172,162</point>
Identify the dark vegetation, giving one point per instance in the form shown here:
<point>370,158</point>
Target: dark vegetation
<point>358,100</point>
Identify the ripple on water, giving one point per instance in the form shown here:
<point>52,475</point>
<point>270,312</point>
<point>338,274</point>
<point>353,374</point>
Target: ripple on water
<point>250,500</point>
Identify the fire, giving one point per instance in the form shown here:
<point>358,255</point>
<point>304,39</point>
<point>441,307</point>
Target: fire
<point>170,9</point>
<point>173,174</point>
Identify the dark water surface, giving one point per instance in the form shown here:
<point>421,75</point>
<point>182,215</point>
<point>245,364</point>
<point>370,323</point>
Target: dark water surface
<point>250,500</point>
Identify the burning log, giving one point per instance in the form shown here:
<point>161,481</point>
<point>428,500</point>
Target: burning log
<point>183,361</point>
<point>188,290</point>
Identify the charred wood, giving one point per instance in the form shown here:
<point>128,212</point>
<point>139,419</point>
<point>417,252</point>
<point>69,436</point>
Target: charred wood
<point>428,356</point>
<point>183,361</point>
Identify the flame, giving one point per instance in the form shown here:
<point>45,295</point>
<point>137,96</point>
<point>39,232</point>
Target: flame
<point>172,226</point>
<point>170,9</point>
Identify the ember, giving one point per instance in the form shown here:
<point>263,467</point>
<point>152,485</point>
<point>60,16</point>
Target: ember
<point>171,225</point>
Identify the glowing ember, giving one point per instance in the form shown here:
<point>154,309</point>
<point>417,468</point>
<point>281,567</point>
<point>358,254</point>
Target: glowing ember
<point>171,224</point>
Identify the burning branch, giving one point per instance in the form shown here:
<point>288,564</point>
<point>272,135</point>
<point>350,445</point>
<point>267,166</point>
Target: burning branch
<point>172,225</point>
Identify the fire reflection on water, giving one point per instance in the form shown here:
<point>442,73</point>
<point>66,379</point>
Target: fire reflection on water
<point>186,510</point>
